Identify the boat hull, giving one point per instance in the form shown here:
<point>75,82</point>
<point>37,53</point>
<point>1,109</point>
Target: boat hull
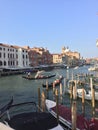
<point>65,116</point>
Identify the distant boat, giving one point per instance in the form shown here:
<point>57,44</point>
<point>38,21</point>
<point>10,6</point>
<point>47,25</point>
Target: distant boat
<point>39,75</point>
<point>93,68</point>
<point>55,82</point>
<point>76,67</point>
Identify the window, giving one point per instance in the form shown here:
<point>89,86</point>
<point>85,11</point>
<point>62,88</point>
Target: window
<point>13,63</point>
<point>23,56</point>
<point>4,63</point>
<point>13,55</point>
<point>0,54</point>
<point>8,63</point>
<point>8,55</point>
<point>0,63</point>
<point>4,55</point>
<point>26,56</point>
<point>16,62</point>
<point>23,63</point>
<point>17,56</point>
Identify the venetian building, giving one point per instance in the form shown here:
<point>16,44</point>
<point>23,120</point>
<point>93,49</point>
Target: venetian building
<point>39,56</point>
<point>66,51</point>
<point>57,58</point>
<point>12,56</point>
<point>72,58</point>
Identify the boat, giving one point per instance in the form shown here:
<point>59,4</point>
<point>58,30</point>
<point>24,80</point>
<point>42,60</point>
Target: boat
<point>87,94</point>
<point>39,75</point>
<point>5,127</point>
<point>55,82</point>
<point>93,68</point>
<point>34,120</point>
<point>65,116</point>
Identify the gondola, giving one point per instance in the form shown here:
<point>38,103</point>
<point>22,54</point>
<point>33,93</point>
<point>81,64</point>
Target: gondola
<point>33,120</point>
<point>65,117</point>
<point>55,82</point>
<point>39,77</point>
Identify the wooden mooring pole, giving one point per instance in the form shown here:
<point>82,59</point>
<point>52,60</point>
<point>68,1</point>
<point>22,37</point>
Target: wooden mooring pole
<point>83,102</point>
<point>74,113</point>
<point>61,89</point>
<point>65,85</point>
<point>53,88</point>
<point>93,97</point>
<point>43,98</point>
<point>71,94</point>
<point>47,89</point>
<point>39,102</point>
<point>57,100</point>
<point>61,94</point>
<point>93,103</point>
<point>74,106</point>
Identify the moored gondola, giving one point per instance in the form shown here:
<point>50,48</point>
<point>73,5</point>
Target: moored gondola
<point>55,82</point>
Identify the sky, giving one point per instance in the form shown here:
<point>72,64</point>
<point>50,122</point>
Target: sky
<point>51,24</point>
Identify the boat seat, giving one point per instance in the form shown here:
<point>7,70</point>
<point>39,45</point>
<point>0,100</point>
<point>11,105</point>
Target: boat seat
<point>33,121</point>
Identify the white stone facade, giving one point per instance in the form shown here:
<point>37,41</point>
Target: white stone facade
<point>13,56</point>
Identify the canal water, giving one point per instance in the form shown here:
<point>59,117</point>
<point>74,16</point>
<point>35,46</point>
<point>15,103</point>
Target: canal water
<point>27,90</point>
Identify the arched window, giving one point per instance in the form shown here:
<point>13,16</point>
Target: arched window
<point>26,56</point>
<point>8,63</point>
<point>13,63</point>
<point>4,63</point>
<point>0,63</point>
<point>8,55</point>
<point>23,56</point>
<point>0,54</point>
<point>4,55</point>
<point>16,62</point>
<point>16,56</point>
<point>23,63</point>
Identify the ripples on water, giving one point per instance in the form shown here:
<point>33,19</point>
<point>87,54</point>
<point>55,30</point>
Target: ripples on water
<point>27,90</point>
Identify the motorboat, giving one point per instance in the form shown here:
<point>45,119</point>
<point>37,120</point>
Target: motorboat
<point>35,120</point>
<point>93,68</point>
<point>87,94</point>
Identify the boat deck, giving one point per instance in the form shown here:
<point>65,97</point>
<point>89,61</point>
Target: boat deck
<point>65,113</point>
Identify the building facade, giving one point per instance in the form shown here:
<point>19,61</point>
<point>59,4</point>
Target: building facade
<point>39,56</point>
<point>67,52</point>
<point>57,58</point>
<point>13,56</point>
